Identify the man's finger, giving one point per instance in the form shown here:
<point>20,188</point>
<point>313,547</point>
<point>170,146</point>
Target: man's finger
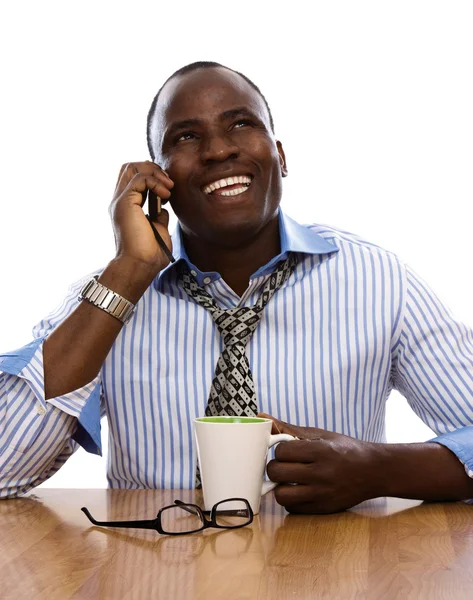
<point>129,170</point>
<point>311,508</point>
<point>279,426</point>
<point>293,495</point>
<point>139,186</point>
<point>298,451</point>
<point>285,472</point>
<point>303,433</point>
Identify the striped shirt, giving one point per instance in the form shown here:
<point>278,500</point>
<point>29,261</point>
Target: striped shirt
<point>352,323</point>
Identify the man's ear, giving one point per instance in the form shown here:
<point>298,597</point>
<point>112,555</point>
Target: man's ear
<point>282,159</point>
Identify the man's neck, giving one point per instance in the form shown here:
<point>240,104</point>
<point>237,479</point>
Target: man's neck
<point>236,264</point>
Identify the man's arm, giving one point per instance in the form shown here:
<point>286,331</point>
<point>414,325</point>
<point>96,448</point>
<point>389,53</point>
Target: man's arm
<point>425,471</point>
<point>432,366</point>
<point>50,389</point>
<point>76,350</point>
<point>37,437</point>
<point>35,440</point>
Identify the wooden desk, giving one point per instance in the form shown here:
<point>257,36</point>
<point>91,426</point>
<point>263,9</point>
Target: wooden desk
<point>382,550</point>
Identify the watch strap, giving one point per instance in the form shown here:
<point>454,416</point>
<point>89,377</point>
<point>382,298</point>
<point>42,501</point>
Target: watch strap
<point>105,299</point>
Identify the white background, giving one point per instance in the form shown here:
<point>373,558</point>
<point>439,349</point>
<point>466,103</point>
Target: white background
<point>372,101</point>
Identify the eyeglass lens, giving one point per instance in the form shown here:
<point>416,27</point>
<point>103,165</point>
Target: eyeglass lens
<point>181,519</point>
<point>231,513</point>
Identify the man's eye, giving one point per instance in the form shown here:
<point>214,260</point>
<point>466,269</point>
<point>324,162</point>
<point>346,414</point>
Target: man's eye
<point>240,124</point>
<point>185,136</point>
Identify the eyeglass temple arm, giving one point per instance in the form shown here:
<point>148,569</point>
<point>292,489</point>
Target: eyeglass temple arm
<point>222,513</point>
<point>146,524</point>
<point>188,507</point>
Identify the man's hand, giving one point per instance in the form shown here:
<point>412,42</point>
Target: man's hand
<point>133,234</point>
<point>333,472</point>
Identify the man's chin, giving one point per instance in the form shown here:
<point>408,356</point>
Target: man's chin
<point>236,230</point>
<point>229,228</point>
<point>235,238</point>
<point>228,236</point>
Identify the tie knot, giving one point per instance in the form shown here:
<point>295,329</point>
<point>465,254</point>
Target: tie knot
<point>236,325</point>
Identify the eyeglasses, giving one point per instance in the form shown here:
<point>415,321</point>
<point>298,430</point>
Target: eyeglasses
<point>181,518</point>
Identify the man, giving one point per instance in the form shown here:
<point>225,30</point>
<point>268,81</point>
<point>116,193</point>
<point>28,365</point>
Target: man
<point>336,323</point>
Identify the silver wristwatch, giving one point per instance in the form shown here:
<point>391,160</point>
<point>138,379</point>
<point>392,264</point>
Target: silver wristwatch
<point>111,302</point>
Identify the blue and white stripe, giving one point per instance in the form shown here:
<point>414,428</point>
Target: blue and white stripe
<point>352,323</point>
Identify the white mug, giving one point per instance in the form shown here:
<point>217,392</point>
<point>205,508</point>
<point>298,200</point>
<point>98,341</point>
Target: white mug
<point>232,455</point>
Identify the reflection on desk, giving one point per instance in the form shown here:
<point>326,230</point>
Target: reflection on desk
<point>384,548</point>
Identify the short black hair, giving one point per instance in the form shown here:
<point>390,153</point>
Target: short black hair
<point>186,69</point>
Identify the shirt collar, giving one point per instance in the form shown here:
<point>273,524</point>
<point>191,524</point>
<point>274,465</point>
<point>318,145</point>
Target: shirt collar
<point>299,238</point>
<point>294,238</point>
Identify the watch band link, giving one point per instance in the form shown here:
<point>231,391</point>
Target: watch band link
<point>107,300</point>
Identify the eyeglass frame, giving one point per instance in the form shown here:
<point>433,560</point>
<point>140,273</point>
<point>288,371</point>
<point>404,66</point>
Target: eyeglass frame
<point>156,523</point>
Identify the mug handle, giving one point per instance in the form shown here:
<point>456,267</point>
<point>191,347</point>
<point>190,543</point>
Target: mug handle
<point>275,439</point>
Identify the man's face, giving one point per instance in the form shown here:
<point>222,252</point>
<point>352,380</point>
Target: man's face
<point>211,125</point>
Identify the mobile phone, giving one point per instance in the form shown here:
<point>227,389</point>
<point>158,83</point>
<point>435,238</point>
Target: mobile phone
<point>154,205</point>
<point>154,209</point>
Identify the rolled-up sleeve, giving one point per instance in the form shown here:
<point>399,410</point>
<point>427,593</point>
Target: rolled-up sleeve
<point>37,436</point>
<point>433,368</point>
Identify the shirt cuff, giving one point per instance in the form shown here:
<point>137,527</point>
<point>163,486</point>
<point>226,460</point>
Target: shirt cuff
<point>83,404</point>
<point>15,361</point>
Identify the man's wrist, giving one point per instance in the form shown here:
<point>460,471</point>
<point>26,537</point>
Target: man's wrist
<point>424,471</point>
<point>377,477</point>
<point>127,277</point>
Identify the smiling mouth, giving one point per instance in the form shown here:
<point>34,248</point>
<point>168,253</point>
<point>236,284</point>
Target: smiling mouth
<point>229,186</point>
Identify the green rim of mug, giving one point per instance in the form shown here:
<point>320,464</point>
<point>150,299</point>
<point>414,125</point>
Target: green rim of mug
<point>231,420</point>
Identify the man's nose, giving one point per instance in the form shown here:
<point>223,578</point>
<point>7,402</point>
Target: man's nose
<point>219,148</point>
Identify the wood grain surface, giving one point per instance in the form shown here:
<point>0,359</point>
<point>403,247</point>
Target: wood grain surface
<point>383,549</point>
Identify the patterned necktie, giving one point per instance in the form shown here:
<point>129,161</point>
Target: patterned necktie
<point>233,389</point>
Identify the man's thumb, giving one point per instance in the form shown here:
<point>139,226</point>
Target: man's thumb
<point>279,426</point>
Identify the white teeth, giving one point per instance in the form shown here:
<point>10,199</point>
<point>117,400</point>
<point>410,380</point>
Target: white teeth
<point>234,192</point>
<point>245,179</point>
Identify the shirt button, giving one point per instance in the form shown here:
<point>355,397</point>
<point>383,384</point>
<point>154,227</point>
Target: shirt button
<point>207,280</point>
<point>40,410</point>
<point>194,273</point>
